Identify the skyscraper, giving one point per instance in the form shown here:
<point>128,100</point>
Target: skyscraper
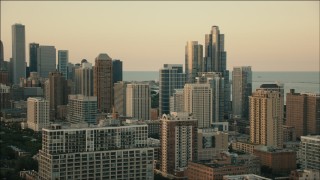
<point>57,92</point>
<point>18,52</point>
<point>171,78</point>
<point>215,60</point>
<point>120,91</point>
<point>302,112</point>
<point>46,60</point>
<point>82,109</point>
<point>63,59</point>
<point>37,113</point>
<point>193,60</point>
<point>266,115</point>
<point>178,142</point>
<point>117,70</point>
<point>241,90</point>
<point>1,52</point>
<point>84,79</point>
<point>138,101</point>
<point>33,57</point>
<point>177,101</point>
<point>103,82</point>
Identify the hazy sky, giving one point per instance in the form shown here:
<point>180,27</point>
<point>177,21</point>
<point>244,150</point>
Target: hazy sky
<point>269,36</point>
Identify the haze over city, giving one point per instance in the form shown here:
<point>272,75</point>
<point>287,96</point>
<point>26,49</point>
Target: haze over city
<point>269,36</point>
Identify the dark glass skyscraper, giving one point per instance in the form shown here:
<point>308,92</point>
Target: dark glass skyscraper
<point>117,70</point>
<point>33,59</point>
<point>171,78</point>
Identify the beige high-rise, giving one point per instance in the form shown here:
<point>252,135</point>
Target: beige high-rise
<point>138,101</point>
<point>37,113</point>
<point>266,115</point>
<point>103,82</point>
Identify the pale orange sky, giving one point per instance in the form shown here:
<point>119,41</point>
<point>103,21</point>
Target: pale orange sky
<point>269,36</point>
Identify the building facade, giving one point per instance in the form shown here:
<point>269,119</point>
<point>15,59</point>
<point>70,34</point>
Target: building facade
<point>171,78</point>
<point>193,60</point>
<point>18,52</point>
<point>241,90</point>
<point>46,60</point>
<point>309,155</point>
<point>266,115</point>
<point>37,113</point>
<point>177,101</point>
<point>178,142</point>
<point>82,109</point>
<point>103,82</point>
<point>33,57</point>
<point>117,70</point>
<point>84,79</point>
<point>97,152</point>
<point>120,91</point>
<point>138,101</point>
<point>63,60</point>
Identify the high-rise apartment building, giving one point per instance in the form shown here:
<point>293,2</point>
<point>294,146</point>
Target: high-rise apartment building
<point>33,57</point>
<point>198,101</point>
<point>177,101</point>
<point>96,153</point>
<point>84,79</point>
<point>82,109</point>
<point>303,112</point>
<point>241,90</point>
<point>171,78</point>
<point>18,52</point>
<point>37,113</point>
<point>4,96</point>
<point>103,82</point>
<point>117,70</point>
<point>193,60</point>
<point>266,115</point>
<point>46,60</point>
<point>309,149</point>
<point>178,142</point>
<point>120,91</point>
<point>63,60</point>
<point>138,101</point>
<point>57,92</point>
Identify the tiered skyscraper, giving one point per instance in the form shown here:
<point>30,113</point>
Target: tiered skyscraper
<point>215,60</point>
<point>171,78</point>
<point>18,52</point>
<point>266,115</point>
<point>241,90</point>
<point>193,60</point>
<point>103,82</point>
<point>63,59</point>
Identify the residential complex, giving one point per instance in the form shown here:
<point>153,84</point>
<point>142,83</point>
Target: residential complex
<point>37,113</point>
<point>309,155</point>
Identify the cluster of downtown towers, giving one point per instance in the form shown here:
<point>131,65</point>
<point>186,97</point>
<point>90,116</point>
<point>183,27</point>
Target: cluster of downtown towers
<point>206,78</point>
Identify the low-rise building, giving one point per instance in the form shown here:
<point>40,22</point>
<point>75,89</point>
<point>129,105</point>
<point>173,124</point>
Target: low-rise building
<point>306,174</point>
<point>245,177</point>
<point>246,147</point>
<point>309,152</point>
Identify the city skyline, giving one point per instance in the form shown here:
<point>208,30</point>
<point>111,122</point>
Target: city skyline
<point>137,33</point>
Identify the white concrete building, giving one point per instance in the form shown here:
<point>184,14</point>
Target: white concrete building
<point>309,152</point>
<point>37,113</point>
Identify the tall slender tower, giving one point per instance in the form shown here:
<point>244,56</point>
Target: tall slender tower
<point>242,89</point>
<point>266,115</point>
<point>193,60</point>
<point>63,59</point>
<point>215,60</point>
<point>103,82</point>
<point>1,52</point>
<point>18,52</point>
<point>33,57</point>
<point>171,78</point>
